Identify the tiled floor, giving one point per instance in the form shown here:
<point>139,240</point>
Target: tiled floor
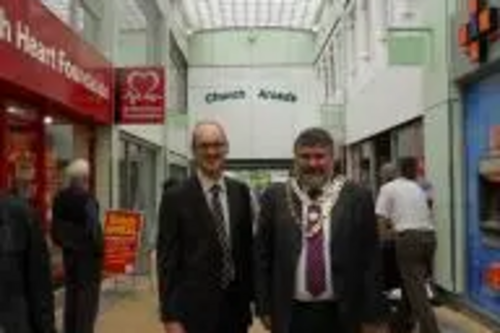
<point>130,307</point>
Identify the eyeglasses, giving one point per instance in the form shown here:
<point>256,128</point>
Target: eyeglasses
<point>210,145</point>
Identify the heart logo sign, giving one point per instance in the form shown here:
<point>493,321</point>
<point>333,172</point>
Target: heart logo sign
<point>142,86</point>
<point>142,95</point>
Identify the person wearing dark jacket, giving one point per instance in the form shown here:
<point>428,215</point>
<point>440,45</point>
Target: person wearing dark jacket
<point>316,250</point>
<point>26,299</point>
<point>77,230</point>
<point>205,245</point>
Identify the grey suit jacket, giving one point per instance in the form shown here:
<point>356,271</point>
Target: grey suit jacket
<point>355,258</point>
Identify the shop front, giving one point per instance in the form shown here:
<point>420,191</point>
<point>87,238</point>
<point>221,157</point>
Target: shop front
<point>368,157</point>
<point>55,90</point>
<point>482,135</point>
<point>477,73</point>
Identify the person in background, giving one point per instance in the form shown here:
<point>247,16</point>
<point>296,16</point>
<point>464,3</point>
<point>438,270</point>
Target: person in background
<point>403,203</point>
<point>26,298</point>
<point>77,230</point>
<point>338,168</point>
<point>388,172</point>
<point>204,245</point>
<point>316,250</point>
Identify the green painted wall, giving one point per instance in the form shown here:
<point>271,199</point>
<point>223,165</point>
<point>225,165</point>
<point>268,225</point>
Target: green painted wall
<point>443,149</point>
<point>251,47</point>
<point>408,47</point>
<point>132,48</point>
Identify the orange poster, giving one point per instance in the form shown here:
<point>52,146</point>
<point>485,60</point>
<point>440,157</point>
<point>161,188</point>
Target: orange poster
<point>121,241</point>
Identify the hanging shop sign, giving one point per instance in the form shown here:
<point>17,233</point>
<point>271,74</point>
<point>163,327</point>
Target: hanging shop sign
<point>480,31</point>
<point>262,94</point>
<point>122,231</point>
<point>42,56</point>
<point>141,95</point>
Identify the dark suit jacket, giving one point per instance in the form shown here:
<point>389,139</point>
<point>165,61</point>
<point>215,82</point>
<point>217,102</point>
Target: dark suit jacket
<point>189,256</point>
<point>354,258</point>
<point>75,222</point>
<point>26,299</point>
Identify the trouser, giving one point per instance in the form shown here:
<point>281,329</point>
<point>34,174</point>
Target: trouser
<point>415,252</point>
<point>82,290</point>
<point>317,317</point>
<point>233,314</point>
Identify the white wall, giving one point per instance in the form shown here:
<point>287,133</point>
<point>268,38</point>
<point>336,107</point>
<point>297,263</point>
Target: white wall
<point>177,134</point>
<point>393,96</point>
<point>375,95</point>
<point>257,128</point>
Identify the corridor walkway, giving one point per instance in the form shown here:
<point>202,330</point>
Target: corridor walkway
<point>129,306</point>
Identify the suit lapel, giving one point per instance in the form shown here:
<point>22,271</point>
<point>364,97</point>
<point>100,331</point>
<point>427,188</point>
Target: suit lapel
<point>296,232</point>
<point>200,202</point>
<point>338,211</point>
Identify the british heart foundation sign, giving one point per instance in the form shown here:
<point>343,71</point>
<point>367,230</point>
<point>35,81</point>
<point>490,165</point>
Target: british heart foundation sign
<point>122,231</point>
<point>141,95</point>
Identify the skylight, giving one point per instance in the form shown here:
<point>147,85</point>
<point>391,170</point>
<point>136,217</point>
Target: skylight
<point>216,14</point>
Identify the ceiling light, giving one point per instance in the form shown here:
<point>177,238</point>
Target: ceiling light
<point>48,120</point>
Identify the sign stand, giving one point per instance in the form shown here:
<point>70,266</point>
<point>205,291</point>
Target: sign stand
<point>122,232</point>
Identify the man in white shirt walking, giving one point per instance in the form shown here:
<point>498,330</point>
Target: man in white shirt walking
<point>403,203</point>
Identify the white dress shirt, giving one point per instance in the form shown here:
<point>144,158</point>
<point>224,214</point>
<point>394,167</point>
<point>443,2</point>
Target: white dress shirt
<point>206,185</point>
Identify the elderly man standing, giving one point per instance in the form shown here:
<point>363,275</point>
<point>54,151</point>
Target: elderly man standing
<point>77,230</point>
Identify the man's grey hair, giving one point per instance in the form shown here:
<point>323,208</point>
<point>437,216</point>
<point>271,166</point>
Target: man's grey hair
<point>388,172</point>
<point>314,136</point>
<point>78,169</point>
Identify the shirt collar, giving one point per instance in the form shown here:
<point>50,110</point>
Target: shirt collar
<point>207,183</point>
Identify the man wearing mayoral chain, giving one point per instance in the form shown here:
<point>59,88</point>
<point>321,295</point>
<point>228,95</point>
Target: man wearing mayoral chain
<point>317,254</point>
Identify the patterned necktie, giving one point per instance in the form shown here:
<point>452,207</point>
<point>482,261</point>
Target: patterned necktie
<point>315,264</point>
<point>227,273</point>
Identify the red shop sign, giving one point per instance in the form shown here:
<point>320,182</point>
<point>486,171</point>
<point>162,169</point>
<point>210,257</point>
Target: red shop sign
<point>492,276</point>
<point>41,55</point>
<point>122,230</point>
<point>141,95</point>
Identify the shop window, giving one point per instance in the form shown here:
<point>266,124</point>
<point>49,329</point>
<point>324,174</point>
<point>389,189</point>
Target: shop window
<point>489,197</point>
<point>138,186</point>
<point>137,177</point>
<point>65,141</point>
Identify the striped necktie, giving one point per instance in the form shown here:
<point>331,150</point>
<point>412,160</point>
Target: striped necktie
<point>227,273</point>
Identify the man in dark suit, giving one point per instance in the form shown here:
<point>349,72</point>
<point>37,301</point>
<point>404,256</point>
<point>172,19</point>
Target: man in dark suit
<point>26,299</point>
<point>317,256</point>
<point>205,245</point>
<point>77,230</point>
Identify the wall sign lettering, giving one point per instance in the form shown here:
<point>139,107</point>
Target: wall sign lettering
<point>262,94</point>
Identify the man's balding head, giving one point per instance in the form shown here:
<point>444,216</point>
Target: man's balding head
<point>210,147</point>
<point>207,128</point>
